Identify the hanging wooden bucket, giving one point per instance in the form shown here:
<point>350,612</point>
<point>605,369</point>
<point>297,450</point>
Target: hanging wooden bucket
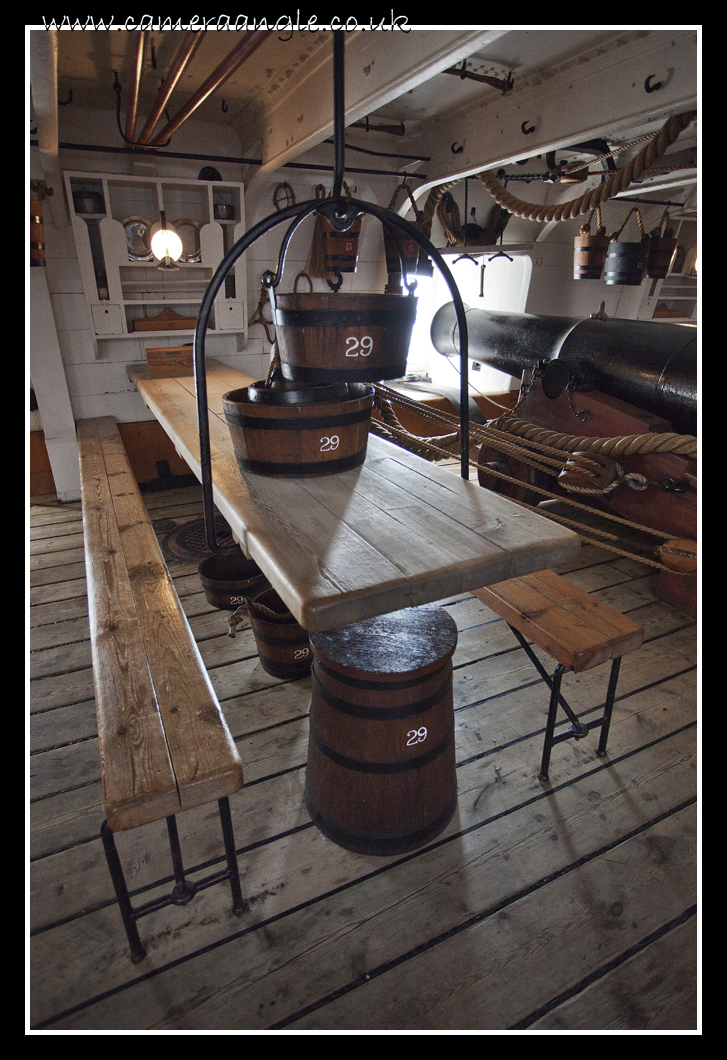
<point>589,251</point>
<point>228,579</point>
<point>661,255</point>
<point>662,248</point>
<point>626,262</point>
<point>340,249</point>
<point>305,431</point>
<point>282,644</point>
<point>381,775</point>
<point>409,246</point>
<point>37,236</point>
<point>335,336</point>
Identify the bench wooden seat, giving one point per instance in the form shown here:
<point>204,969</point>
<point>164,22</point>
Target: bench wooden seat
<point>576,630</point>
<point>164,743</point>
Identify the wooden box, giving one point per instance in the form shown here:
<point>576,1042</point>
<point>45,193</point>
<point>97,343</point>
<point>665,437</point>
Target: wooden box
<point>168,362</point>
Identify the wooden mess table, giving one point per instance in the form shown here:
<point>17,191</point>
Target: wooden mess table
<point>396,532</point>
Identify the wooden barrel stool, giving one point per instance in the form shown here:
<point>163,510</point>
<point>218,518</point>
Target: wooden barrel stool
<point>381,775</point>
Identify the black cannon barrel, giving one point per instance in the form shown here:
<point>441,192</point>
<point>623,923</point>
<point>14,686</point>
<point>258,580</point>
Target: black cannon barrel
<point>649,364</point>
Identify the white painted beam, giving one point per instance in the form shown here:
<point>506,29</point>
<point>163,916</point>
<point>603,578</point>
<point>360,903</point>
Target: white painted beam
<point>51,389</point>
<point>599,93</point>
<point>379,67</point>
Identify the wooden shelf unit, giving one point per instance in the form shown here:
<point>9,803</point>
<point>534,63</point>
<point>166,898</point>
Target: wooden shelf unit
<point>119,290</point>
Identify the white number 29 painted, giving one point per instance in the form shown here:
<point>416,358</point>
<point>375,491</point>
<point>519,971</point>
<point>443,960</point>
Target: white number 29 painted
<point>327,444</point>
<point>359,347</point>
<point>416,736</point>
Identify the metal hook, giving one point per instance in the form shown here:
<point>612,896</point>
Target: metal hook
<point>648,85</point>
<point>456,150</point>
<point>65,102</point>
<point>527,131</point>
<point>500,254</point>
<point>224,107</point>
<point>467,257</point>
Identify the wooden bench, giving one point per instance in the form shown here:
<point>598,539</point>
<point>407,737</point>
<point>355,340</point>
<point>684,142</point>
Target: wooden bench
<point>165,746</point>
<point>576,630</point>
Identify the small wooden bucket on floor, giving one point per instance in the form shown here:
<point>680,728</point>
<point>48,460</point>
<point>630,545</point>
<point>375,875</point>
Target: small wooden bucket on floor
<point>334,336</point>
<point>229,579</point>
<point>282,644</point>
<point>381,775</point>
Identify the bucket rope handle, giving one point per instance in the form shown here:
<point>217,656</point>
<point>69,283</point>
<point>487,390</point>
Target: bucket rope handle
<point>307,277</point>
<point>418,214</point>
<point>238,617</point>
<point>600,227</point>
<point>662,227</point>
<point>617,233</point>
<point>258,318</point>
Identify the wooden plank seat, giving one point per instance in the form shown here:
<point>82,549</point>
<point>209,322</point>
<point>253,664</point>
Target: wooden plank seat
<point>164,743</point>
<point>576,630</point>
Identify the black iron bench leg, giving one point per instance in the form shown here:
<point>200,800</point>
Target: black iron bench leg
<point>238,902</point>
<point>550,724</point>
<point>138,953</point>
<point>608,709</point>
<point>184,890</point>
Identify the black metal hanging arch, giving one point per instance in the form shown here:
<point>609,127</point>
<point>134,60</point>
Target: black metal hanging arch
<point>341,212</point>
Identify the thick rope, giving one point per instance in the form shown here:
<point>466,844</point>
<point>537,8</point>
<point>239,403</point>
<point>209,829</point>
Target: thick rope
<point>430,448</point>
<point>620,180</point>
<point>628,445</point>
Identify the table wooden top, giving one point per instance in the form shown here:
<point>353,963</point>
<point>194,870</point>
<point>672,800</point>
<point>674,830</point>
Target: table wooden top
<point>396,532</point>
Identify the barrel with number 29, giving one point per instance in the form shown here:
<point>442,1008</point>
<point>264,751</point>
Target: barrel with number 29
<point>381,775</point>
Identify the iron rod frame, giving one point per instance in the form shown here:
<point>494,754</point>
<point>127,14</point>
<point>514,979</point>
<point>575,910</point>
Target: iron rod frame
<point>341,212</point>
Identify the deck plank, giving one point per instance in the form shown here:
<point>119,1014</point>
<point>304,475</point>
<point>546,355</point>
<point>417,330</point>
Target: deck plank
<point>321,919</point>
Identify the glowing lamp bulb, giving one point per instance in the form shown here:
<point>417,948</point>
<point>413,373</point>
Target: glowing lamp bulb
<point>165,243</point>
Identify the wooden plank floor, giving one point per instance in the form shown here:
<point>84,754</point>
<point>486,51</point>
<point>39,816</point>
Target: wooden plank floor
<point>569,907</point>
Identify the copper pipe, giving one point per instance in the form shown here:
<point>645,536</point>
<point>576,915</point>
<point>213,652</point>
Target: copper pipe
<point>136,62</point>
<point>249,43</point>
<point>185,53</point>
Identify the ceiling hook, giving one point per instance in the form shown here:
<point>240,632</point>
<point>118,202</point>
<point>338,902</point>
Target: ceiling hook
<point>648,85</point>
<point>456,150</point>
<point>224,107</point>
<point>65,102</point>
<point>527,131</point>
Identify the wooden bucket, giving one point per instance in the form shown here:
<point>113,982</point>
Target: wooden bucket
<point>340,249</point>
<point>662,248</point>
<point>282,644</point>
<point>661,254</point>
<point>335,336</point>
<point>37,236</point>
<point>381,775</point>
<point>626,262</point>
<point>229,578</point>
<point>589,251</point>
<point>293,432</point>
<point>409,246</point>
